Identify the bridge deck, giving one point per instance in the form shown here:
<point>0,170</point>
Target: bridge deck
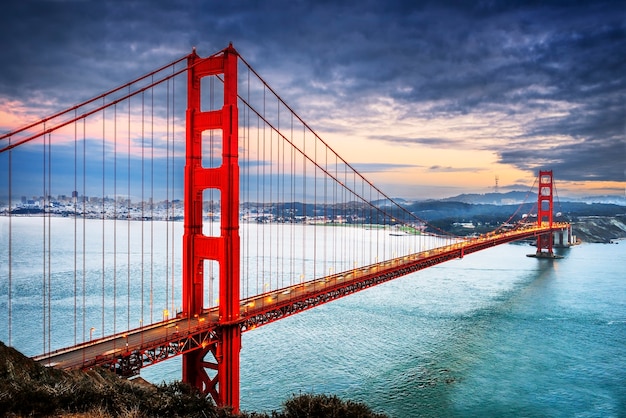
<point>128,352</point>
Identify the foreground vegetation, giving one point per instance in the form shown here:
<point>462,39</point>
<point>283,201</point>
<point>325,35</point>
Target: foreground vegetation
<point>29,389</point>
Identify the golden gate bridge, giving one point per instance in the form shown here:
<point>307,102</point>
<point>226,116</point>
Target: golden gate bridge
<point>275,222</point>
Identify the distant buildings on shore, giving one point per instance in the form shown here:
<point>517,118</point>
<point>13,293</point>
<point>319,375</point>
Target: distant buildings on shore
<point>173,210</point>
<point>95,207</point>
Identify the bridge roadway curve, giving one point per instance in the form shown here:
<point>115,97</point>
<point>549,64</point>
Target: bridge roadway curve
<point>126,353</point>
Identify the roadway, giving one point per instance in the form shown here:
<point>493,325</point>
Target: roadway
<point>129,351</point>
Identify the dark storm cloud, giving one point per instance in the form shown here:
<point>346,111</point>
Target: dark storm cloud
<point>584,161</point>
<point>518,58</point>
<point>329,59</point>
<point>68,51</point>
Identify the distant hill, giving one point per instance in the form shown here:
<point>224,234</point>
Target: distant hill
<point>517,197</point>
<point>615,200</point>
<point>508,198</point>
<point>462,211</point>
<point>475,214</point>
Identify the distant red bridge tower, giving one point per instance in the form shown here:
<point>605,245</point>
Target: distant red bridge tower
<point>545,204</point>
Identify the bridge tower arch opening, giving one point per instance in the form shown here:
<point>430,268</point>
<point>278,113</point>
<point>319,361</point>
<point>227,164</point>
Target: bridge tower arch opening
<point>214,368</point>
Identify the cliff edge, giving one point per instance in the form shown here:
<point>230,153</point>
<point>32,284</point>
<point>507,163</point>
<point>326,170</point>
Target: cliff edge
<point>30,389</point>
<point>599,229</point>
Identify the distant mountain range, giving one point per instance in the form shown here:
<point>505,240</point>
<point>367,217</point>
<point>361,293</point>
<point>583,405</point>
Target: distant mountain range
<point>509,198</point>
<point>517,197</point>
<point>498,207</point>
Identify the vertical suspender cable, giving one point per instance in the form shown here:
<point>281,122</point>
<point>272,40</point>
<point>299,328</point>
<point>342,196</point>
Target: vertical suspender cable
<point>267,204</point>
<point>257,195</point>
<point>352,215</point>
<point>279,205</point>
<point>336,227</point>
<point>345,255</point>
<point>143,205</point>
<point>270,200</point>
<point>375,222</point>
<point>152,204</point>
<point>115,219</point>
<point>10,244</point>
<point>314,207</point>
<point>361,219</point>
<point>173,237</point>
<point>43,235</point>
<point>84,198</point>
<point>339,215</point>
<point>330,229</point>
<point>292,200</point>
<point>103,208</point>
<point>278,200</point>
<point>366,236</point>
<point>361,215</point>
<point>263,203</point>
<point>324,212</point>
<point>370,221</point>
<point>75,200</point>
<point>243,124</point>
<point>49,242</point>
<point>304,202</point>
<point>245,188</point>
<point>170,173</point>
<point>336,254</point>
<point>280,253</point>
<point>168,200</point>
<point>128,203</point>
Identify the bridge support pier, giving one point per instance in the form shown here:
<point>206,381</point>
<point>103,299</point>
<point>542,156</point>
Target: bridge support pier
<point>214,368</point>
<point>228,365</point>
<point>195,370</point>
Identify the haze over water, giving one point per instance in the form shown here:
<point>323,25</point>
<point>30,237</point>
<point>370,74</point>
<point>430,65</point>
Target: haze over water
<point>493,334</point>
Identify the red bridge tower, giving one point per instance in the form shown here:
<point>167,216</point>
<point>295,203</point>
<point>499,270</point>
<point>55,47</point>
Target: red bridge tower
<point>222,356</point>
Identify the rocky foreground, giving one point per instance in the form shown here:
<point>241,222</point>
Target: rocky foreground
<point>29,389</point>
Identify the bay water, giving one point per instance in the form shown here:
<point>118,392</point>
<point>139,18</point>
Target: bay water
<point>493,334</point>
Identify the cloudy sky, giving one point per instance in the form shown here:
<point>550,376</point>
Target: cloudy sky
<point>430,98</point>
